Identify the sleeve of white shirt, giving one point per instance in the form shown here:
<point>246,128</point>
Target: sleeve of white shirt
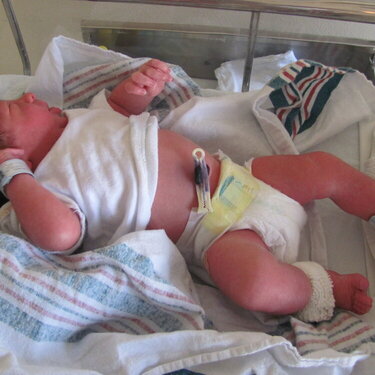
<point>9,222</point>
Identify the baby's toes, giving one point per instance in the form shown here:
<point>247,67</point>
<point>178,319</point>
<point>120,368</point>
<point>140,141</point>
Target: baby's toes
<point>362,303</point>
<point>362,282</point>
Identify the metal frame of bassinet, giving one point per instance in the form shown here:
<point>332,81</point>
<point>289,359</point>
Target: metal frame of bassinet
<point>359,11</point>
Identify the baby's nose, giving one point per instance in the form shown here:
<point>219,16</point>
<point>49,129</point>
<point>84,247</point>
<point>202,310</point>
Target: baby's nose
<point>28,97</point>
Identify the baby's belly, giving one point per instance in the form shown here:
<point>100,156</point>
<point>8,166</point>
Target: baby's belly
<point>175,194</point>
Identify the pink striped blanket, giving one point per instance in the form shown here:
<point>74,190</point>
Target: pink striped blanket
<point>344,333</point>
<point>82,84</point>
<point>137,286</point>
<point>127,287</point>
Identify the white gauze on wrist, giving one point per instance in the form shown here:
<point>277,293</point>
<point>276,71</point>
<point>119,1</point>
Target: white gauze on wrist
<point>11,168</point>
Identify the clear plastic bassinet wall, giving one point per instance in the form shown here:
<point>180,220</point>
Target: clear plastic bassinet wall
<point>198,35</point>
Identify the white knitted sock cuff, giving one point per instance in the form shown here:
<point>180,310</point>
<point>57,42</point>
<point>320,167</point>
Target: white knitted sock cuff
<point>322,301</point>
<point>11,168</point>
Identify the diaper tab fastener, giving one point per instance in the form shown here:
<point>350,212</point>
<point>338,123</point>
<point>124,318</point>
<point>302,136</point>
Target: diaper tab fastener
<point>202,181</point>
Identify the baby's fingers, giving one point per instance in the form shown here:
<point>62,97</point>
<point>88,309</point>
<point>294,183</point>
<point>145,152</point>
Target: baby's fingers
<point>149,79</point>
<point>142,84</point>
<point>131,87</point>
<point>157,75</point>
<point>157,64</point>
<point>10,153</point>
<point>139,84</point>
<point>142,80</point>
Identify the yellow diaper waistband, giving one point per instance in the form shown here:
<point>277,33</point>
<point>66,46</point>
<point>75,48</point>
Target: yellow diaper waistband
<point>237,188</point>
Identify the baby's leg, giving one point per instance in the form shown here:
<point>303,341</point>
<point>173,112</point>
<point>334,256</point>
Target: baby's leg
<point>319,175</point>
<point>243,268</point>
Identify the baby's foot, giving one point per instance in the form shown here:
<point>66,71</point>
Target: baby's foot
<point>350,292</point>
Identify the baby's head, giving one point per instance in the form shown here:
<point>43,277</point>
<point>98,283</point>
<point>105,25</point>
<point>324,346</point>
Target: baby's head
<point>30,124</point>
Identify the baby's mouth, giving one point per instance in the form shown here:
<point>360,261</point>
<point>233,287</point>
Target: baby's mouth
<point>56,110</point>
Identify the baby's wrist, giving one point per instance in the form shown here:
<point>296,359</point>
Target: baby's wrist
<point>11,168</point>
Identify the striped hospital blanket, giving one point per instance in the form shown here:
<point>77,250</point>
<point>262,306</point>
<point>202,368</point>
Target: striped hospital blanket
<point>137,286</point>
<point>301,91</point>
<point>344,333</point>
<point>82,84</point>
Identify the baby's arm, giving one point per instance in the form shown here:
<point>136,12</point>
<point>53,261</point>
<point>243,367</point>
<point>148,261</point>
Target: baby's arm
<point>132,96</point>
<point>47,221</point>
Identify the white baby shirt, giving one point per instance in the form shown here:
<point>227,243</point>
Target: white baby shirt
<point>105,167</point>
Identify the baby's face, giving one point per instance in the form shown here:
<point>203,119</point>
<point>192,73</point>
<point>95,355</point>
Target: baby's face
<point>30,121</point>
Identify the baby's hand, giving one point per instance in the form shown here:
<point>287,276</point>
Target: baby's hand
<point>149,79</point>
<point>10,153</point>
<point>132,96</point>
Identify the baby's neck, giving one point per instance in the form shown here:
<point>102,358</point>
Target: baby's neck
<point>43,148</point>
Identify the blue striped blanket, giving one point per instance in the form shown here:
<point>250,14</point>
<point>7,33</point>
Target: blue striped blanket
<point>137,286</point>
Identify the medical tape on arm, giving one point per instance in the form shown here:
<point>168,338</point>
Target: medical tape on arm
<point>11,168</point>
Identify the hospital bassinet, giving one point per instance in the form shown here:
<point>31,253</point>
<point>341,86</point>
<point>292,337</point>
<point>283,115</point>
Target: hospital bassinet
<point>71,315</point>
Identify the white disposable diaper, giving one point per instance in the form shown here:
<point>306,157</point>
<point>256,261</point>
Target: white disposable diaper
<point>242,201</point>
